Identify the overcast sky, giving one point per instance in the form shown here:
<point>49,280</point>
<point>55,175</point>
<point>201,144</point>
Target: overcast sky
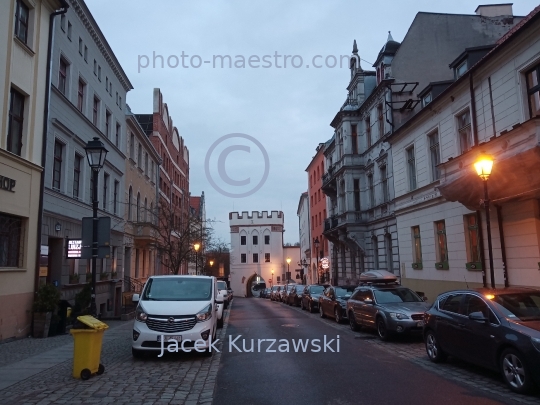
<point>288,110</point>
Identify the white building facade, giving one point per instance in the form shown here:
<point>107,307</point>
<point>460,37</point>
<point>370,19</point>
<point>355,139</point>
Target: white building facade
<point>305,238</point>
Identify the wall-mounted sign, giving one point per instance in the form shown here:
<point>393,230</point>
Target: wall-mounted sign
<point>7,184</point>
<point>325,263</point>
<point>74,248</point>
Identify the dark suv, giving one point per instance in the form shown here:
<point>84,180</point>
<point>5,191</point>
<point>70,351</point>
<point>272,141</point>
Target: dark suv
<point>497,329</point>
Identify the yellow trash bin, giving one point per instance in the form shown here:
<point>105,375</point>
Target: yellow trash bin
<point>87,348</point>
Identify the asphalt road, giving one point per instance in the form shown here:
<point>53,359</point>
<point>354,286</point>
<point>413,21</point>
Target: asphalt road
<point>358,374</point>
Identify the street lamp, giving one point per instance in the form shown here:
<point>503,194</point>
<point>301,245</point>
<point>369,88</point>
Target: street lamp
<point>272,282</point>
<point>196,246</point>
<point>288,260</point>
<point>96,154</point>
<point>302,264</point>
<point>483,168</point>
<point>316,243</point>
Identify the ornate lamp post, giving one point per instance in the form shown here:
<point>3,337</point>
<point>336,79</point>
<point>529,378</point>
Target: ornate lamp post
<point>483,168</point>
<point>96,154</point>
<point>196,247</point>
<point>288,260</point>
<point>316,243</point>
<point>272,282</point>
<point>302,263</point>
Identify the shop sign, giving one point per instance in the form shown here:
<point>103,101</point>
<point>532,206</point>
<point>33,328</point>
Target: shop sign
<point>74,248</point>
<point>7,184</point>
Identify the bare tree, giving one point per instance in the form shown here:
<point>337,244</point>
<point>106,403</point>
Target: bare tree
<point>176,235</point>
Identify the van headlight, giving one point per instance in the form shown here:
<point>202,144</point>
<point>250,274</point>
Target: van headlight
<point>140,315</point>
<point>204,314</point>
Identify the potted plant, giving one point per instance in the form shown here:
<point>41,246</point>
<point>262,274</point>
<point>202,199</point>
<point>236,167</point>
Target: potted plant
<point>89,277</point>
<point>45,304</point>
<point>114,274</point>
<point>104,275</point>
<point>73,279</point>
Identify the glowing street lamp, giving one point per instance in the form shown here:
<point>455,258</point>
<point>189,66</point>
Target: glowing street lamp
<point>196,247</point>
<point>272,282</point>
<point>483,167</point>
<point>288,260</point>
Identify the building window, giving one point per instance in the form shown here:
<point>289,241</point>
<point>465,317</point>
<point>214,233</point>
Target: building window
<point>356,184</point>
<point>132,146</point>
<point>76,175</point>
<point>442,251</point>
<point>389,253</point>
<point>105,193</point>
<point>266,239</point>
<point>139,156</point>
<point>243,239</point>
<point>473,240</point>
<point>375,244</point>
<point>461,69</point>
<point>411,168</point>
<point>130,203</point>
<point>368,132</point>
<point>21,21</point>
<point>380,114</point>
<point>255,258</point>
<point>115,201</point>
<point>69,30</point>
<point>99,73</point>
<point>255,240</point>
<point>384,184</point>
<point>95,111</point>
<point>117,135</point>
<point>464,129</point>
<point>417,245</point>
<point>63,22</point>
<point>426,99</point>
<point>267,257</point>
<point>57,164</point>
<point>80,46</point>
<point>138,207</point>
<point>62,76</point>
<point>85,53</point>
<point>145,209</point>
<point>243,258</point>
<point>108,124</point>
<point>354,138</point>
<point>533,91</point>
<point>80,95</point>
<point>16,121</point>
<point>371,191</point>
<point>95,67</point>
<point>435,155</point>
<point>146,164</point>
<point>11,237</point>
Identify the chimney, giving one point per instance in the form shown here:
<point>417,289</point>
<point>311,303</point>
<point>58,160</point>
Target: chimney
<point>494,10</point>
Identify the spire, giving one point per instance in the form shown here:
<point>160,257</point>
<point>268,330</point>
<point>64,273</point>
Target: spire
<point>354,48</point>
<point>389,37</point>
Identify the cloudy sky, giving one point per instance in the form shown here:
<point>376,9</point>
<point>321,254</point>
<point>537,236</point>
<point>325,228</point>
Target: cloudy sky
<point>286,110</point>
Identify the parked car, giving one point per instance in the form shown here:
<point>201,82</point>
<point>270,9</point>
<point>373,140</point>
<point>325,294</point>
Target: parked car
<point>268,293</point>
<point>229,295</point>
<point>295,295</point>
<point>222,292</point>
<point>285,292</point>
<point>497,329</point>
<point>275,293</point>
<point>310,297</point>
<point>388,308</point>
<point>333,302</point>
<point>262,293</point>
<point>181,308</point>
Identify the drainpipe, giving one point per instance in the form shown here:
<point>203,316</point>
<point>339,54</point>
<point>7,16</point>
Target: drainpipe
<point>473,110</point>
<point>503,247</point>
<point>62,10</point>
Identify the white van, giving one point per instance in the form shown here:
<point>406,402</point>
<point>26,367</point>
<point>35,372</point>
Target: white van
<point>176,308</point>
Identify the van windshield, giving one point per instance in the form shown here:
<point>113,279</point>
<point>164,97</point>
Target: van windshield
<point>178,289</point>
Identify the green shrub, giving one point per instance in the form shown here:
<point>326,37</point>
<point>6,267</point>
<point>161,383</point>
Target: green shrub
<point>47,299</point>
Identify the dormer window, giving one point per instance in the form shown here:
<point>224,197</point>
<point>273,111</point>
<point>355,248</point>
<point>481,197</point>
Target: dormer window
<point>461,69</point>
<point>426,99</point>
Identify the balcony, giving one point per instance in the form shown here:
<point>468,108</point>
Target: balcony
<point>143,232</point>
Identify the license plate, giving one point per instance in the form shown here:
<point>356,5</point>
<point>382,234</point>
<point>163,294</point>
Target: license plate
<point>420,323</point>
<point>167,338</point>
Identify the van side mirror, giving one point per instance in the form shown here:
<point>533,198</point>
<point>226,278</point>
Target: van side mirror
<point>135,298</point>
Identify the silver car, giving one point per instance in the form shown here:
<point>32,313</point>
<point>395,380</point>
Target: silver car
<point>388,308</point>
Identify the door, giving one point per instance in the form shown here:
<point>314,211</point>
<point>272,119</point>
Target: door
<point>354,305</point>
<point>326,302</point>
<point>448,324</point>
<point>478,338</point>
<point>368,310</point>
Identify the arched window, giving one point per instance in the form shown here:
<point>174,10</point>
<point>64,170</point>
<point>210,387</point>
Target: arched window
<point>375,253</point>
<point>130,202</point>
<point>145,209</point>
<point>389,255</point>
<point>138,207</point>
<point>152,212</point>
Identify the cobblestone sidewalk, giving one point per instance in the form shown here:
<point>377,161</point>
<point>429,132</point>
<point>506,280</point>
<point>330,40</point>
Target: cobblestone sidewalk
<point>177,378</point>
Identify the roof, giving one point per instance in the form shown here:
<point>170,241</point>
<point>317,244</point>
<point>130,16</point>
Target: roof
<point>146,121</point>
<point>195,203</point>
<point>488,5</point>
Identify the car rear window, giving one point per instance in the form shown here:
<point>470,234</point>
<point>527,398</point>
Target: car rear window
<point>222,285</point>
<point>178,289</point>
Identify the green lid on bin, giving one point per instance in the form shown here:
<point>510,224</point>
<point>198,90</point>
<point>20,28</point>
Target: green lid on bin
<point>94,323</point>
